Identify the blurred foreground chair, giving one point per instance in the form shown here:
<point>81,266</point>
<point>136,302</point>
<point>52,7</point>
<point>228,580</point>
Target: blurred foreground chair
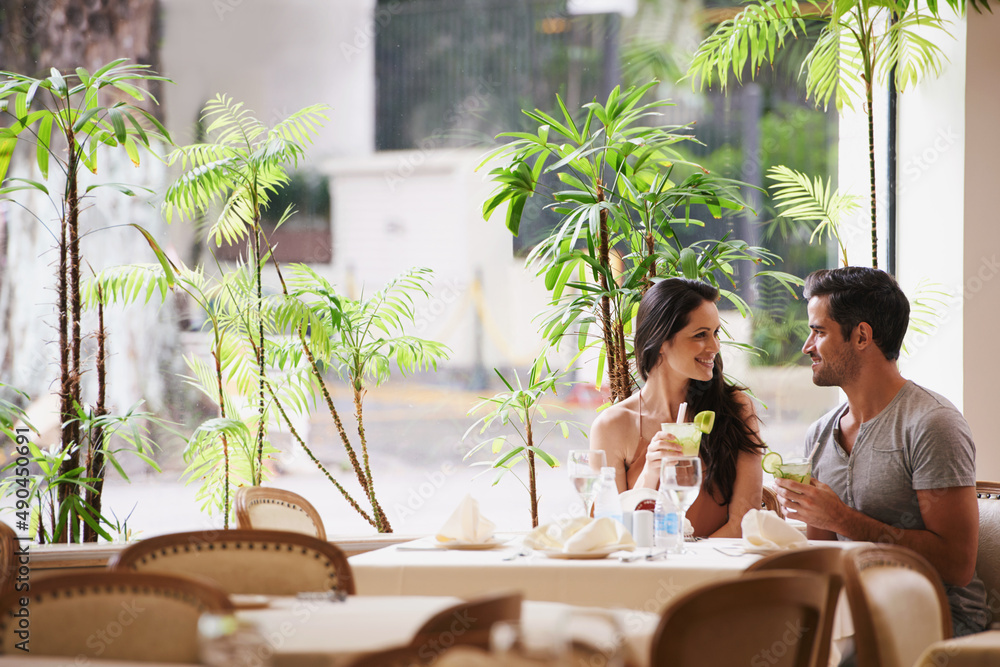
<point>772,618</point>
<point>264,508</point>
<point>770,501</point>
<point>467,623</point>
<point>988,554</point>
<point>416,656</point>
<point>898,603</point>
<point>824,560</point>
<point>262,562</point>
<point>111,615</point>
<point>8,557</point>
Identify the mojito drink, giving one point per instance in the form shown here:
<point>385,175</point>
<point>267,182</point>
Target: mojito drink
<point>687,434</point>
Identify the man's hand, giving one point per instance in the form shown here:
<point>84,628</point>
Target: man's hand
<point>815,503</point>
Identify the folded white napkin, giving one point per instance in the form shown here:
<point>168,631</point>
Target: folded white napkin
<point>466,524</point>
<point>580,536</point>
<point>764,528</point>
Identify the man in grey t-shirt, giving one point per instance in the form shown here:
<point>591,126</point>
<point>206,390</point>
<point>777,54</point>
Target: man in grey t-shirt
<point>896,462</point>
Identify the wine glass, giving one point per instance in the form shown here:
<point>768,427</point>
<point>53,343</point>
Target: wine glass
<point>680,478</point>
<point>584,468</point>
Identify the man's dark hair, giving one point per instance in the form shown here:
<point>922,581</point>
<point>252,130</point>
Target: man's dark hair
<point>860,294</point>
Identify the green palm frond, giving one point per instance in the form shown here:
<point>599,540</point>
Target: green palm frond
<point>908,49</point>
<point>801,199</point>
<point>750,39</point>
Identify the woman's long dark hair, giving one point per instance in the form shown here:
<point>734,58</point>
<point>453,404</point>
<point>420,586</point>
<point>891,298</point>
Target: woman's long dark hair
<point>664,310</point>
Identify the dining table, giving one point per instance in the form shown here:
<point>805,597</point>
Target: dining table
<point>643,580</point>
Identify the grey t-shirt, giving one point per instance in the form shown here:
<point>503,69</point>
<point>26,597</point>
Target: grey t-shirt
<point>920,441</point>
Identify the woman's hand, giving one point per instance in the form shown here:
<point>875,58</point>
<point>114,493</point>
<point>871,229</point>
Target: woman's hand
<point>662,445</point>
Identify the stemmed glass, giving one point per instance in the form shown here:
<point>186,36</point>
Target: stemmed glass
<point>584,468</point>
<point>680,478</point>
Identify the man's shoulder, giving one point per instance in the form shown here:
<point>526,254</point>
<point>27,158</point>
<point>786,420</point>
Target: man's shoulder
<point>826,420</point>
<point>918,394</point>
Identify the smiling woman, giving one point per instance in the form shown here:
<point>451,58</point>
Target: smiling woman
<point>677,354</point>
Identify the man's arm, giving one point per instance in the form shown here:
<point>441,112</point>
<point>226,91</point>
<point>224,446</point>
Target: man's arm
<point>949,539</point>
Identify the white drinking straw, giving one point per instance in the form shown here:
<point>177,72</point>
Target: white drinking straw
<point>682,412</point>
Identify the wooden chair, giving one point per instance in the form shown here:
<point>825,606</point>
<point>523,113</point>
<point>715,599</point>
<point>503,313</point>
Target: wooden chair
<point>898,603</point>
<point>773,618</point>
<point>259,507</point>
<point>770,501</point>
<point>988,554</point>
<point>467,623</point>
<point>263,562</point>
<point>8,558</point>
<point>824,560</point>
<point>111,615</point>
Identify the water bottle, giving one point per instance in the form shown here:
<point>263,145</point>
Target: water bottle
<point>607,503</point>
<point>666,523</point>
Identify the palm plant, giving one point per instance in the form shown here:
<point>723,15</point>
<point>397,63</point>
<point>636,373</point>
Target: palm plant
<point>361,340</point>
<point>863,43</point>
<point>517,409</point>
<point>239,168</point>
<point>626,205</point>
<point>64,118</point>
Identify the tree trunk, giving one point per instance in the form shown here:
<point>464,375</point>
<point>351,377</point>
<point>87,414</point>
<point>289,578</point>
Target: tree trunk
<point>36,35</point>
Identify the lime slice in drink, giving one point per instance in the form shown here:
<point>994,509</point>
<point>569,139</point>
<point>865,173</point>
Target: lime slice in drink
<point>771,463</point>
<point>704,421</point>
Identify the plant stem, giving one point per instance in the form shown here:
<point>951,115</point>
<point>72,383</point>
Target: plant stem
<point>222,413</point>
<point>351,501</point>
<point>603,258</point>
<point>383,522</point>
<point>532,488</point>
<point>70,297</point>
<point>96,461</point>
<point>258,470</point>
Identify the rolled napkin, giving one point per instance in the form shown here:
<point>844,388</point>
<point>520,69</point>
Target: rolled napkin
<point>466,524</point>
<point>765,529</point>
<point>581,535</point>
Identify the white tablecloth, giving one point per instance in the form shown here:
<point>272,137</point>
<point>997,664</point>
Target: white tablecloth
<point>641,585</point>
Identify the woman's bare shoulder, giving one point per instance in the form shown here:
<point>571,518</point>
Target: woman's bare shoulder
<point>618,418</point>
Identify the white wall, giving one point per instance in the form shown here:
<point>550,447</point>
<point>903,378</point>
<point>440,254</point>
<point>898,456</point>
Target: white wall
<point>930,153</point>
<point>397,210</point>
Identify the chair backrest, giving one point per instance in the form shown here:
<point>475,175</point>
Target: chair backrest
<point>769,501</point>
<point>8,558</point>
<point>769,617</point>
<point>825,560</point>
<point>263,562</point>
<point>898,603</point>
<point>468,623</point>
<point>264,508</point>
<point>988,554</point>
<point>111,615</point>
